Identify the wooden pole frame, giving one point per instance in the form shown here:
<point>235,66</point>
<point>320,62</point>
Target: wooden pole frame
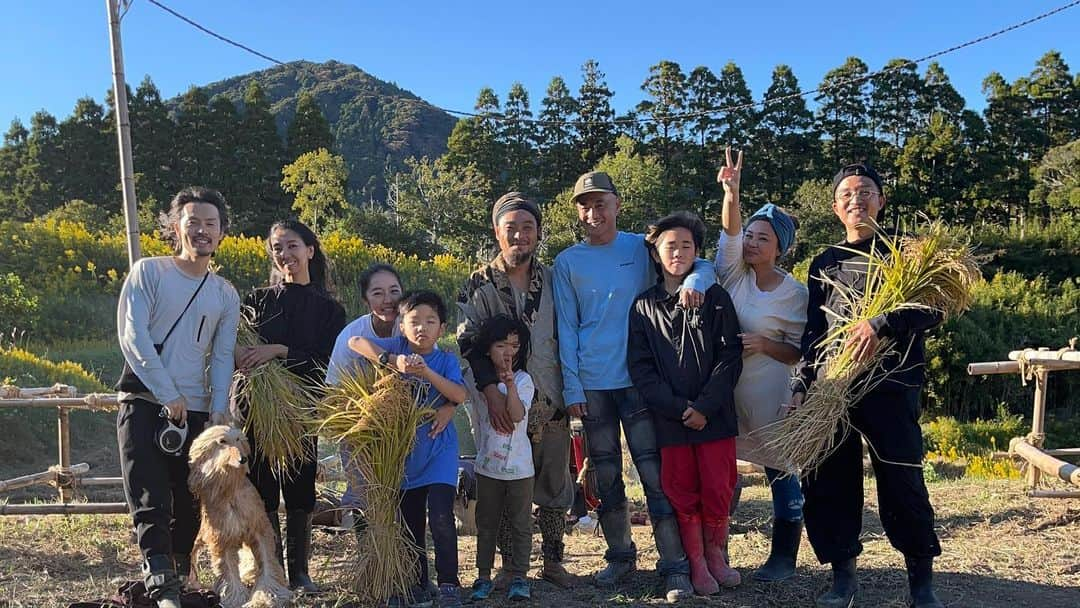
<point>1036,364</point>
<point>64,476</point>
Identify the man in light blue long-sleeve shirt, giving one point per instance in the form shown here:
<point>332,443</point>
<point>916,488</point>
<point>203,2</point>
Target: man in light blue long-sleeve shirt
<point>596,282</point>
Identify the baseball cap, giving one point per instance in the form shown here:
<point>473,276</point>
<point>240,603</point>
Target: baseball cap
<point>593,181</point>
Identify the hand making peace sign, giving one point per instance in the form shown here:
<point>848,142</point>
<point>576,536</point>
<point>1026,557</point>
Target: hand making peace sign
<point>730,173</point>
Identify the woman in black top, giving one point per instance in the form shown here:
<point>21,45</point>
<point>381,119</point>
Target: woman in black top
<point>298,320</point>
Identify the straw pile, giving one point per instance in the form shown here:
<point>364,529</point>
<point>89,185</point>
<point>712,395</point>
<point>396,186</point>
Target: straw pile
<point>933,271</point>
<point>376,414</point>
<point>279,407</point>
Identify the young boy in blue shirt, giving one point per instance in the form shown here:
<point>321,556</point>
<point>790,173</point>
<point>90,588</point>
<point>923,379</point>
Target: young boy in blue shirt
<point>431,470</point>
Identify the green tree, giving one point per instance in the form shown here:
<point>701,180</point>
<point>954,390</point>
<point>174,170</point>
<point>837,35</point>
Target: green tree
<point>1057,180</point>
<point>317,180</point>
<point>937,95</point>
<point>90,169</point>
<point>932,164</point>
<point>597,134</point>
<point>703,94</point>
<point>894,100</point>
<point>258,200</point>
<point>38,177</point>
<point>842,113</point>
<point>153,145</point>
<point>666,103</point>
<point>448,205</point>
<point>519,137</point>
<point>475,142</point>
<point>787,149</point>
<point>1014,139</point>
<point>220,151</point>
<point>309,130</point>
<point>559,162</point>
<point>12,156</point>
<point>194,162</point>
<point>1050,89</point>
<point>736,125</point>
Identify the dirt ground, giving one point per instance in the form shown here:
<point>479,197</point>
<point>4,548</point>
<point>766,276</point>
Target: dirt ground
<point>1001,549</point>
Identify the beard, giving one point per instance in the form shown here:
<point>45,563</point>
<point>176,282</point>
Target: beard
<point>518,257</point>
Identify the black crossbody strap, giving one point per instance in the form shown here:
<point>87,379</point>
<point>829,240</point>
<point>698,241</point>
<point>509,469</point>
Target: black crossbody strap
<point>177,321</point>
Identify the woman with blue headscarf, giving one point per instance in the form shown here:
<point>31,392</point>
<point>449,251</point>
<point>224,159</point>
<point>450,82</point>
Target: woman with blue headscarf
<point>771,307</point>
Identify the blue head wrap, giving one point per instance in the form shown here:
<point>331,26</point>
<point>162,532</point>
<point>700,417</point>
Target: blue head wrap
<point>781,223</point>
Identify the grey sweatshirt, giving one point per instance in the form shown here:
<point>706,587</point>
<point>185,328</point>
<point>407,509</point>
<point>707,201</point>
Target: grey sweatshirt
<point>197,359</point>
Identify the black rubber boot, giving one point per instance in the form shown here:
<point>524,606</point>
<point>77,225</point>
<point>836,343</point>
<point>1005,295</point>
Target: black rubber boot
<point>786,536</point>
<point>298,545</point>
<point>162,584</point>
<point>845,584</point>
<point>920,576</point>
<point>275,525</point>
<point>183,567</point>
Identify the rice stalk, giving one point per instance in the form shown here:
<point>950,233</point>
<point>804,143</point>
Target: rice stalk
<point>933,271</point>
<point>376,414</point>
<point>279,407</point>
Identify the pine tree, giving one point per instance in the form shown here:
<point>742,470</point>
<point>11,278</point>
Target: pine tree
<point>702,95</point>
<point>260,156</point>
<point>597,134</point>
<point>559,163</point>
<point>1050,88</point>
<point>1014,138</point>
<point>153,143</point>
<point>38,178</point>
<point>736,125</point>
<point>224,122</point>
<point>787,146</point>
<point>309,130</point>
<point>938,95</point>
<point>518,137</point>
<point>666,103</point>
<point>90,170</point>
<point>475,142</point>
<point>12,156</point>
<point>842,114</point>
<point>192,130</point>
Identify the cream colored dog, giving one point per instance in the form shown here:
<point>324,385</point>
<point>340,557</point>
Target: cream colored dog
<point>233,517</point>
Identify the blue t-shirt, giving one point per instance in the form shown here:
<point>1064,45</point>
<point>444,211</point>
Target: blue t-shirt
<point>431,460</point>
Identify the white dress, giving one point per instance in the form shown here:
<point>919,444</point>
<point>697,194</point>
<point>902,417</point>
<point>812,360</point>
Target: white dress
<point>780,315</point>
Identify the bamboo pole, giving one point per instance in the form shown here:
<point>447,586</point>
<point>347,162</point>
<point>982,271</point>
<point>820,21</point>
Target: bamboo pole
<point>1053,494</point>
<point>42,477</point>
<point>85,508</point>
<point>63,444</point>
<point>1012,367</point>
<point>93,401</point>
<point>1042,461</point>
<point>100,481</point>
<point>1045,354</point>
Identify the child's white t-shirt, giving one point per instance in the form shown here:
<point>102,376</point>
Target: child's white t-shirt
<point>506,457</point>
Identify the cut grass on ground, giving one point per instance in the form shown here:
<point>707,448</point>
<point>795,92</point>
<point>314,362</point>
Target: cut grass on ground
<point>1001,549</point>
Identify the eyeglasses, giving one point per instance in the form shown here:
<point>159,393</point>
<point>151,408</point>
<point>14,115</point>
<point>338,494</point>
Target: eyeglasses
<point>864,195</point>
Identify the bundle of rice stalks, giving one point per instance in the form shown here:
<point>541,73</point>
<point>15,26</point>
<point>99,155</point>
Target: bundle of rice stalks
<point>934,271</point>
<point>376,414</point>
<point>279,407</point>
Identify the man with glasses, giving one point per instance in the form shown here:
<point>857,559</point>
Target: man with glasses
<point>888,417</point>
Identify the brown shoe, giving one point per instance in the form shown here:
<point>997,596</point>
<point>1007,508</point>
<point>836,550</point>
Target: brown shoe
<point>556,574</point>
<point>502,580</point>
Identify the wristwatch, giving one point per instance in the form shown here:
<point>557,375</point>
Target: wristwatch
<point>384,357</point>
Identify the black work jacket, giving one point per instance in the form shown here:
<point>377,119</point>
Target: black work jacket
<point>303,318</point>
<point>680,358</point>
<point>904,367</point>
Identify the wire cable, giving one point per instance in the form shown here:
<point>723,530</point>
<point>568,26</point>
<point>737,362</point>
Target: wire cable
<point>673,117</point>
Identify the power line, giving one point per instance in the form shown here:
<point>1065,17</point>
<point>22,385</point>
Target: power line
<point>685,115</point>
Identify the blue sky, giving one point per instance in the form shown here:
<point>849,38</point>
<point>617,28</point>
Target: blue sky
<point>54,51</point>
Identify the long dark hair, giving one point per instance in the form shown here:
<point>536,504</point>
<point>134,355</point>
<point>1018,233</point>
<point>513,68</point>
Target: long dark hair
<point>318,267</point>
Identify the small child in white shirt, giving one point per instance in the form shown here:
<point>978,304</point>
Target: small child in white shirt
<point>504,464</point>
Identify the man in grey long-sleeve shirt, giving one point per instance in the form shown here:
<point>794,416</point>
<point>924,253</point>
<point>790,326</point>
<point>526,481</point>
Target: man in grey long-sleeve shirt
<point>189,378</point>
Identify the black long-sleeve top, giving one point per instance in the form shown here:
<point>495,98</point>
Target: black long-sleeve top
<point>680,358</point>
<point>304,319</point>
<point>904,367</point>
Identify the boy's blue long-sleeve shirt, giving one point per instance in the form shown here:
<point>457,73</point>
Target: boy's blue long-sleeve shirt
<point>595,287</point>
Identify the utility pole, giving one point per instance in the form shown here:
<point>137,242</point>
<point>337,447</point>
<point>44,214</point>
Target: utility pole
<point>123,133</point>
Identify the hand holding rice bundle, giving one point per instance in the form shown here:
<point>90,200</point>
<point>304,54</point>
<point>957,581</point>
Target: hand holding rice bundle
<point>934,271</point>
<point>376,414</point>
<point>278,406</point>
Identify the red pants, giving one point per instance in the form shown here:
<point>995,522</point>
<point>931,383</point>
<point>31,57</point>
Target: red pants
<point>699,479</point>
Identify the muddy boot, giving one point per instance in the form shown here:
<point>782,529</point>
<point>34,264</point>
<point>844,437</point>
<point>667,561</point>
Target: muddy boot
<point>920,574</point>
<point>555,573</point>
<point>845,584</point>
<point>786,536</point>
<point>298,542</point>
<point>162,584</point>
<point>716,553</point>
<point>621,553</point>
